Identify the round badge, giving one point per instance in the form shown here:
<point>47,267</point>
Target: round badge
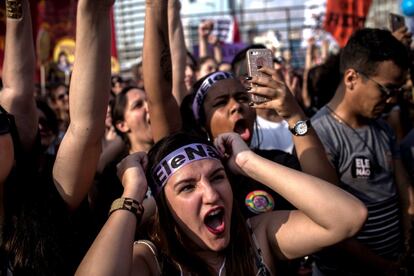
<point>259,201</point>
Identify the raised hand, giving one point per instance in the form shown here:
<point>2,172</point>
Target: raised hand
<point>233,149</point>
<point>131,173</point>
<point>274,87</point>
<point>205,28</point>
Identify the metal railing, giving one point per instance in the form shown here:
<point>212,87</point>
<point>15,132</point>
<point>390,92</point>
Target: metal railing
<point>287,22</point>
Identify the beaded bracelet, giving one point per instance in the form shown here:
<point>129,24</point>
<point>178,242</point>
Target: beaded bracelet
<point>130,204</point>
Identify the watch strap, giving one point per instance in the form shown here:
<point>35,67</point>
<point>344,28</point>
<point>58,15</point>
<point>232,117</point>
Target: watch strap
<point>293,129</point>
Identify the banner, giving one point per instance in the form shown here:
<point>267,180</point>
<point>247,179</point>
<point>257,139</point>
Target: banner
<point>343,17</point>
<point>54,29</point>
<point>57,20</point>
<point>228,50</point>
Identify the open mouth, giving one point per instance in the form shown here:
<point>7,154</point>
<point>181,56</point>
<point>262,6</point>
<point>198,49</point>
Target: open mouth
<point>241,127</point>
<point>214,221</point>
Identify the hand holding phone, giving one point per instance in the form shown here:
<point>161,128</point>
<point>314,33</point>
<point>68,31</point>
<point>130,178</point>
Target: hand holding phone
<point>257,58</point>
<point>396,21</point>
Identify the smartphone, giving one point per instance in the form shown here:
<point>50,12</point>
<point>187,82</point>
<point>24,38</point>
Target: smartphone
<point>255,58</point>
<point>396,21</point>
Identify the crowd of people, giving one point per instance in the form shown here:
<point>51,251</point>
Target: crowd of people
<point>177,171</point>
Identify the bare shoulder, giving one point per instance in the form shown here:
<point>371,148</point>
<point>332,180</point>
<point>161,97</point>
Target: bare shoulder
<point>144,260</point>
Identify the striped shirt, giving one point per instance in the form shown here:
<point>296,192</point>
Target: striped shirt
<point>382,230</point>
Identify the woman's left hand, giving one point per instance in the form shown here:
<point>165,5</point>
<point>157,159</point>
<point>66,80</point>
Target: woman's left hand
<point>273,87</point>
<point>234,150</point>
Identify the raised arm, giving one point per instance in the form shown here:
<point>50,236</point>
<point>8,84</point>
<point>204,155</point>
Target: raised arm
<point>163,108</point>
<point>80,149</point>
<point>309,149</point>
<point>326,214</point>
<point>178,50</point>
<point>204,30</point>
<point>112,251</point>
<point>218,54</point>
<point>17,96</point>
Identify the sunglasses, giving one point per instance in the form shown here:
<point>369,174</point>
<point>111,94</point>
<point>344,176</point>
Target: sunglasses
<point>385,91</point>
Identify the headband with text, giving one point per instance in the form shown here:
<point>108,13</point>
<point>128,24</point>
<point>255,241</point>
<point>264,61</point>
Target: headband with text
<point>204,87</point>
<point>178,159</point>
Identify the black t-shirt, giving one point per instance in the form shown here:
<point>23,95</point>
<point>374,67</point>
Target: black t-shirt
<point>37,223</point>
<point>255,198</point>
<point>4,122</point>
<point>107,188</point>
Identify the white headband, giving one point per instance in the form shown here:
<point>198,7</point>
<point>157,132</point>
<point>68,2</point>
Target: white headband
<point>178,159</point>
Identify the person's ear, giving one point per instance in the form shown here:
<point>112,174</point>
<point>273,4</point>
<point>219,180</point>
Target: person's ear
<point>350,78</point>
<point>122,126</point>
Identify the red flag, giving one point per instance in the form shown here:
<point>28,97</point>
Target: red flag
<point>343,17</point>
<point>236,31</point>
<point>114,52</point>
<point>115,68</point>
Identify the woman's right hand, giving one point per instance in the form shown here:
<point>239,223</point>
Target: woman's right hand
<point>273,86</point>
<point>132,175</point>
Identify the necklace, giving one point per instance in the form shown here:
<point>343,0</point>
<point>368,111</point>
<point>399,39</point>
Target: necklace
<point>343,122</point>
<point>222,266</point>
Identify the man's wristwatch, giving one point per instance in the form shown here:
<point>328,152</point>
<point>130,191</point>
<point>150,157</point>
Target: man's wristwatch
<point>301,128</point>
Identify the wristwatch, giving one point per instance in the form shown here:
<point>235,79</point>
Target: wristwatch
<point>301,128</point>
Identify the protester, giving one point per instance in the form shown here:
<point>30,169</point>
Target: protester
<point>199,230</point>
<point>206,65</point>
<point>220,105</point>
<point>59,100</point>
<point>45,230</point>
<point>131,121</point>
<point>265,193</point>
<point>272,130</point>
<point>363,150</point>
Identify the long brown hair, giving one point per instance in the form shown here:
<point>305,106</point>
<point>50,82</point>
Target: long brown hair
<point>175,246</point>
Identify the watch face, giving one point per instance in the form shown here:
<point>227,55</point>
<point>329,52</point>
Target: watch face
<point>301,128</point>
